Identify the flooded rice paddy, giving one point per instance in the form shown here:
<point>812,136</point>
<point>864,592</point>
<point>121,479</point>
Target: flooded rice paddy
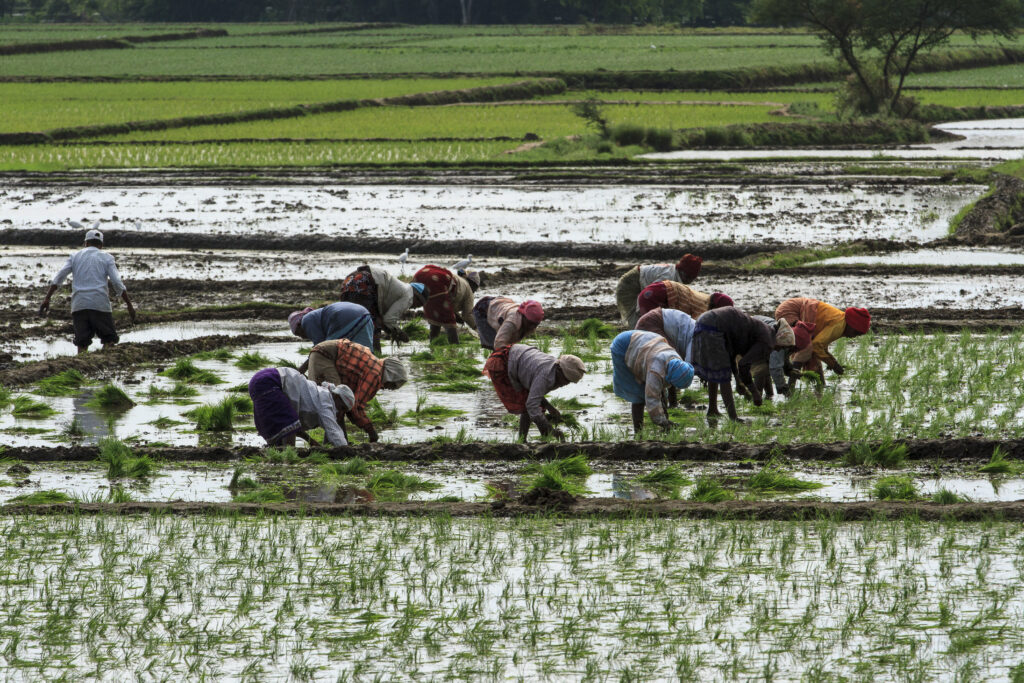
<point>312,599</point>
<point>787,214</point>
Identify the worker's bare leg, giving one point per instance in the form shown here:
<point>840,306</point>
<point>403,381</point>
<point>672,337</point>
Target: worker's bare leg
<point>83,349</point>
<point>727,399</point>
<point>638,417</point>
<point>713,400</point>
<point>435,330</point>
<point>453,334</point>
<point>305,366</point>
<point>524,425</point>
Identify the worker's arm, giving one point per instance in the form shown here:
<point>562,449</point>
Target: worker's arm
<point>392,317</point>
<point>777,368</point>
<point>535,404</point>
<point>128,303</point>
<point>653,386</point>
<point>508,333</point>
<point>333,433</point>
<point>45,306</point>
<point>757,353</point>
<point>823,339</point>
<point>56,282</point>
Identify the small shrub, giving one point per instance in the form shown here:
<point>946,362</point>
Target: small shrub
<point>896,487</point>
<point>624,134</point>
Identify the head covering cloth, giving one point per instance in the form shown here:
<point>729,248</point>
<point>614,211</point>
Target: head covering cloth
<point>295,319</point>
<point>394,371</point>
<point>689,266</point>
<point>784,335</point>
<point>678,373</point>
<point>858,318</point>
<point>572,367</point>
<point>718,300</point>
<point>531,310</point>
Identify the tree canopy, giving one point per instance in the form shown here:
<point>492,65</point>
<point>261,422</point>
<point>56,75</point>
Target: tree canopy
<point>879,40</point>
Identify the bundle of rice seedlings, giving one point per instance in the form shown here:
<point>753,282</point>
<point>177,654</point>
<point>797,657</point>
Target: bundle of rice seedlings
<point>253,360</point>
<point>896,487</point>
<point>393,481</point>
<point>186,371</point>
<point>121,462</point>
<point>47,497</point>
<point>65,383</point>
<point>26,406</point>
<point>214,417</point>
<point>772,478</point>
<point>110,397</point>
<point>709,490</point>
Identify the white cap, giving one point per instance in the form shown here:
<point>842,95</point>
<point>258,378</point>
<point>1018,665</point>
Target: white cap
<point>341,391</point>
<point>93,235</point>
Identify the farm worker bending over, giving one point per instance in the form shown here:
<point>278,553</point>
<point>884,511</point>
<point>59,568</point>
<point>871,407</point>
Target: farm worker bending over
<point>342,320</point>
<point>669,294</point>
<point>632,283</point>
<point>449,299</point>
<point>677,329</point>
<point>502,322</point>
<point>341,361</point>
<point>386,298</point>
<point>642,363</point>
<point>90,269</point>
<point>828,323</point>
<point>523,375</point>
<point>719,337</point>
<point>286,404</point>
<point>779,367</point>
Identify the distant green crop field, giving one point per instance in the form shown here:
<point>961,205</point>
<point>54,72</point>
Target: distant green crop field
<point>1011,75</point>
<point>65,157</point>
<point>970,98</point>
<point>44,106</point>
<point>615,53</point>
<point>467,121</point>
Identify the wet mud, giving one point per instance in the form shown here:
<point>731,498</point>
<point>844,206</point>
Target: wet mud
<point>948,451</point>
<point>562,506</point>
<point>121,356</point>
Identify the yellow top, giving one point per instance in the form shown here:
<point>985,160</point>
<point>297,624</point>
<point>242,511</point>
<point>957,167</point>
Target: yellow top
<point>830,325</point>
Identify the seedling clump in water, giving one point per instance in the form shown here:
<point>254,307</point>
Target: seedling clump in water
<point>186,371</point>
<point>110,397</point>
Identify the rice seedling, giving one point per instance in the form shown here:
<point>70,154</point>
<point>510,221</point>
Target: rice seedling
<point>594,327</point>
<point>885,454</point>
<point>285,363</point>
<point>710,490</point>
<point>571,403</point>
<point>667,480</point>
<point>457,387</point>
<point>186,371</point>
<point>353,467</point>
<point>221,354</point>
<point>573,466</point>
<point>998,463</point>
<point>946,497</point>
<point>73,430</point>
<point>393,482</point>
<point>5,396</point>
<point>382,418</point>
<point>896,487</point>
<point>287,455</point>
<point>241,483</point>
<point>26,406</point>
<point>242,404</point>
<point>772,478</point>
<point>164,422</point>
<point>215,417</point>
<point>121,462</point>
<point>110,397</point>
<point>118,494</point>
<point>429,413</point>
<point>416,330</point>
<point>253,360</point>
<point>551,476</point>
<point>48,497</point>
<point>66,383</point>
<point>180,390</point>
<point>263,494</point>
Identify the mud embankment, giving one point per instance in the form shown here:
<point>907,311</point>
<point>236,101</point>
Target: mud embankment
<point>588,508</point>
<point>996,218</point>
<point>123,356</point>
<point>949,451</point>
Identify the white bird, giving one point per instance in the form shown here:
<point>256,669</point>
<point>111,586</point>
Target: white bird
<point>461,265</point>
<point>402,258</point>
<point>75,224</point>
<point>653,46</point>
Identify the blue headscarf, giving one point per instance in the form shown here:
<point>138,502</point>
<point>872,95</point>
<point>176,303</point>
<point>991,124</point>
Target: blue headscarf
<point>679,373</point>
<point>420,288</point>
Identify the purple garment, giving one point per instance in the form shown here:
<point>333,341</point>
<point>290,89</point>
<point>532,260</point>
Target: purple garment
<point>272,412</point>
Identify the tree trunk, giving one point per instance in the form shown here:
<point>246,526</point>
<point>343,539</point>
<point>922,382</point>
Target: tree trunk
<point>467,11</point>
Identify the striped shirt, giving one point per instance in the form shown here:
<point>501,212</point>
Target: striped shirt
<point>647,358</point>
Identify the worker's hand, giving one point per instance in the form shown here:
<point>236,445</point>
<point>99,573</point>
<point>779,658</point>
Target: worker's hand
<point>667,426</point>
<point>44,307</point>
<point>838,369</point>
<point>399,335</point>
<point>459,320</point>
<point>783,391</point>
<point>742,390</point>
<point>131,313</point>
<point>371,434</point>
<point>554,415</point>
<point>558,434</point>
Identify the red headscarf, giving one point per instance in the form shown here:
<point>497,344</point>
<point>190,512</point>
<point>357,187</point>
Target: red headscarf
<point>803,331</point>
<point>719,300</point>
<point>532,310</point>
<point>858,318</point>
<point>689,266</point>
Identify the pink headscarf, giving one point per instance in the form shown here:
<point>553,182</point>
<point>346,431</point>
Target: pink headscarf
<point>295,319</point>
<point>531,310</point>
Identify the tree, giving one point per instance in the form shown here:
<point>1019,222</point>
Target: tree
<point>879,40</point>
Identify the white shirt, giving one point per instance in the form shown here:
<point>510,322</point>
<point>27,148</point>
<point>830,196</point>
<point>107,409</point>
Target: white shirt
<point>89,269</point>
<point>314,404</point>
<point>662,271</point>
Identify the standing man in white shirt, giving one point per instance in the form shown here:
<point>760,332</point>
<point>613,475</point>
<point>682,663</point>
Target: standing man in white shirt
<point>91,315</point>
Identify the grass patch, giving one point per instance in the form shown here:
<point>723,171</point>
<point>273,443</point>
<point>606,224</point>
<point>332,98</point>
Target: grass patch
<point>185,370</point>
<point>110,397</point>
<point>26,406</point>
<point>121,462</point>
<point>65,383</point>
<point>709,490</point>
<point>263,494</point>
<point>48,497</point>
<point>253,360</point>
<point>896,487</point>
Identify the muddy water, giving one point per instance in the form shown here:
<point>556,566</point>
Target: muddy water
<point>61,344</point>
<point>787,214</point>
<point>26,266</point>
<point>933,257</point>
<point>993,140</point>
